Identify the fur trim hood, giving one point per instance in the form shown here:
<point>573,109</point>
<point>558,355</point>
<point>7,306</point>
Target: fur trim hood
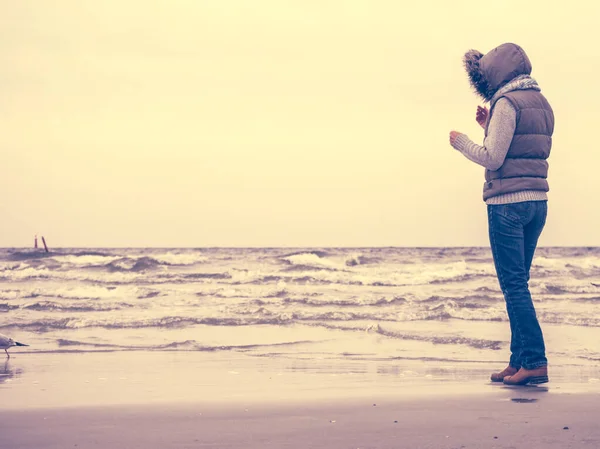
<point>489,72</point>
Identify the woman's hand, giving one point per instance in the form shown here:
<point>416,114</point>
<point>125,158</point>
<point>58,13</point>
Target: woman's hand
<point>482,116</point>
<point>453,136</point>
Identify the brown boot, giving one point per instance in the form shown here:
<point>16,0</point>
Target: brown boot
<point>528,377</point>
<point>508,371</point>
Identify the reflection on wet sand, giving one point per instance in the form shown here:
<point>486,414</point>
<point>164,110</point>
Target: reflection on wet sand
<point>7,372</point>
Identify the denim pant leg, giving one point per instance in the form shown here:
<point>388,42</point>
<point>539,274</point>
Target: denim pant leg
<point>532,232</point>
<point>514,230</point>
<point>515,340</point>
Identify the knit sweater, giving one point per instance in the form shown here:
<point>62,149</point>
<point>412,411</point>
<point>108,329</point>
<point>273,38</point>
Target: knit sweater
<point>491,155</point>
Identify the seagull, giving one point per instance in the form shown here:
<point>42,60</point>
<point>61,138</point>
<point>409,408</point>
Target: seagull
<point>6,342</point>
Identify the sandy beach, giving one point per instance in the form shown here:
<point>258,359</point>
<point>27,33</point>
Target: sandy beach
<point>181,400</point>
<point>457,422</point>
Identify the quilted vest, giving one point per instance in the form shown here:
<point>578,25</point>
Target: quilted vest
<point>525,166</point>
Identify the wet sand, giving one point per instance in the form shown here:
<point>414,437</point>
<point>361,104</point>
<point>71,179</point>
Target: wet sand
<point>451,422</point>
<point>225,400</point>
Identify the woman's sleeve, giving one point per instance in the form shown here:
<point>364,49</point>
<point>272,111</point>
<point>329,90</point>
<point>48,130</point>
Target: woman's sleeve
<point>501,130</point>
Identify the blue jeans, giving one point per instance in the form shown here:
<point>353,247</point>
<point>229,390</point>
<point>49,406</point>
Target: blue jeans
<point>514,231</point>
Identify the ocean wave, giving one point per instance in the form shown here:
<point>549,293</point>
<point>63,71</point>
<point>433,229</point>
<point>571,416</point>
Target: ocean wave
<point>123,276</point>
<point>85,259</point>
<point>267,279</point>
<point>180,259</point>
<point>444,359</point>
<point>5,307</point>
<point>186,345</point>
<point>476,343</point>
<point>272,278</point>
<point>566,286</point>
<point>463,277</point>
<point>585,265</point>
<point>304,268</point>
<point>133,264</point>
<point>313,280</point>
<point>310,261</point>
<point>108,261</point>
<point>92,253</point>
<point>64,342</point>
<point>484,300</point>
<point>25,273</point>
<point>145,263</point>
<point>50,306</point>
<point>260,316</point>
<point>347,302</point>
<point>272,314</point>
<point>591,299</point>
<point>308,267</point>
<point>438,312</point>
<point>329,276</point>
<point>357,302</point>
<point>167,322</point>
<point>473,312</point>
<point>29,255</point>
<point>206,276</point>
<point>148,294</point>
<point>480,260</point>
<point>318,253</point>
<point>80,292</point>
<point>546,316</point>
<point>356,259</point>
<point>11,294</point>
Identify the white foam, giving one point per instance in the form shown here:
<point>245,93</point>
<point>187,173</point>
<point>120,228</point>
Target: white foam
<point>567,263</point>
<point>87,260</point>
<point>312,260</point>
<point>172,258</point>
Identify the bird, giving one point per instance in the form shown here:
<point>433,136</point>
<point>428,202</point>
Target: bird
<point>7,342</point>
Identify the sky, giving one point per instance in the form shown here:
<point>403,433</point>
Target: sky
<point>299,123</point>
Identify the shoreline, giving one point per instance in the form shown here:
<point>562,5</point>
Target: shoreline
<point>88,379</point>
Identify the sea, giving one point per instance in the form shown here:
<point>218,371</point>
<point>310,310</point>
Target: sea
<point>335,305</point>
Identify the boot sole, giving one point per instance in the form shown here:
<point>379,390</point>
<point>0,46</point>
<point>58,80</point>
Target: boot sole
<point>498,380</point>
<point>532,380</point>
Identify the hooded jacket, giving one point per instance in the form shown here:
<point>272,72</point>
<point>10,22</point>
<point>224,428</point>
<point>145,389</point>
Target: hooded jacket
<point>525,167</point>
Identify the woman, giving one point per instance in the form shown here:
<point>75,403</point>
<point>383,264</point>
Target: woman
<point>518,137</point>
